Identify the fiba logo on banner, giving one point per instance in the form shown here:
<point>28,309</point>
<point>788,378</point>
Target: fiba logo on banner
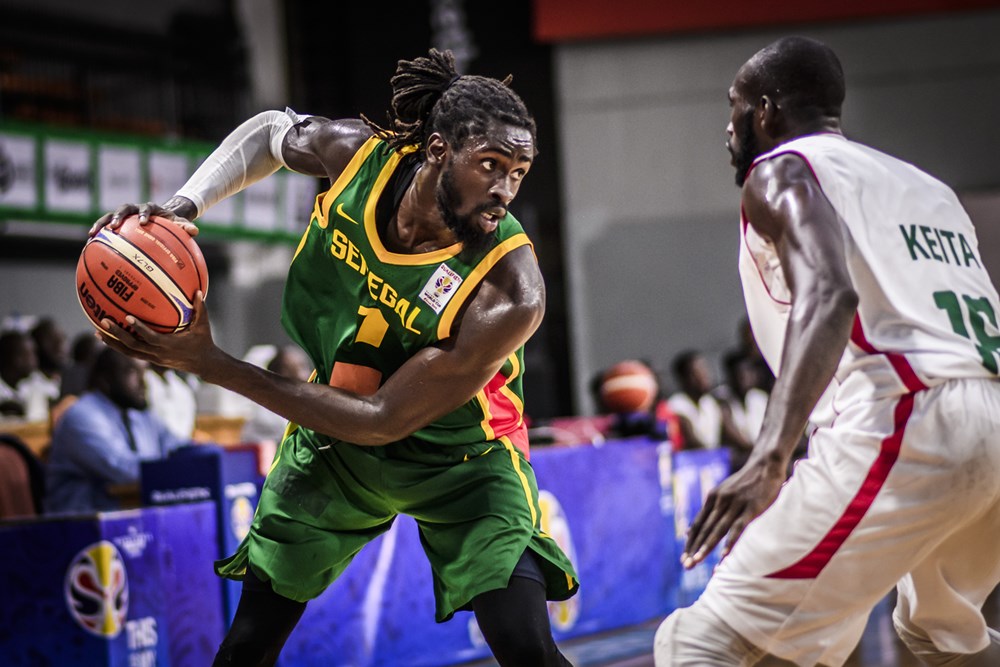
<point>96,589</point>
<point>562,614</point>
<point>241,507</point>
<point>241,516</point>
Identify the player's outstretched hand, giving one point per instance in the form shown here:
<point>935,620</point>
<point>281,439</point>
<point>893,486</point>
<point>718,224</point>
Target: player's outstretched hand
<point>729,507</point>
<point>115,218</point>
<point>189,350</point>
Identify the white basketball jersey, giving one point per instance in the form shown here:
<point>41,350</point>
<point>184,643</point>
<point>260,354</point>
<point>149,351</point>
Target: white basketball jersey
<point>927,309</point>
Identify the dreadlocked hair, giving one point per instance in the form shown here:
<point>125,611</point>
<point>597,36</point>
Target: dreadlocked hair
<point>428,95</point>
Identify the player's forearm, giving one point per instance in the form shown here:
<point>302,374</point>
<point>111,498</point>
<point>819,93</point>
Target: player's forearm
<point>818,330</point>
<point>319,407</point>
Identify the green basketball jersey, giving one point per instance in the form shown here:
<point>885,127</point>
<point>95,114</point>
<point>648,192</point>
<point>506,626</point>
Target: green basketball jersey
<point>360,311</point>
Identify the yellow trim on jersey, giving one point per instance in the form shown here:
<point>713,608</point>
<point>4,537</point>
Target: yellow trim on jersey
<point>305,235</point>
<point>289,429</point>
<point>346,176</point>
<point>506,391</point>
<point>484,405</point>
<point>474,278</point>
<point>516,460</point>
<point>385,255</point>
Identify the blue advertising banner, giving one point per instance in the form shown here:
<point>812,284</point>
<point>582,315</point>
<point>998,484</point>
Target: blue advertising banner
<point>695,473</point>
<point>208,472</point>
<point>137,588</point>
<point>124,589</point>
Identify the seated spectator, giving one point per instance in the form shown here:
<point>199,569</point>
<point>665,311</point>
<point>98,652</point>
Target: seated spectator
<point>702,420</point>
<point>698,412</point>
<point>102,438</point>
<point>21,395</point>
<point>52,354</point>
<point>86,347</point>
<point>172,399</point>
<point>262,425</point>
<point>21,480</point>
<point>746,348</point>
<point>742,395</point>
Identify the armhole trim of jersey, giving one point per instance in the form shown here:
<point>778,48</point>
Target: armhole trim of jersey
<point>476,277</point>
<point>384,254</point>
<point>346,176</point>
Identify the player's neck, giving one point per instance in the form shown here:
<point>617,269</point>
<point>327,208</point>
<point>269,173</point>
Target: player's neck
<point>417,225</point>
<point>821,125</point>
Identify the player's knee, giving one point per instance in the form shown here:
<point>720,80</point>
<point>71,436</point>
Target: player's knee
<point>663,641</point>
<point>695,637</point>
<point>922,646</point>
<point>242,649</point>
<point>511,647</point>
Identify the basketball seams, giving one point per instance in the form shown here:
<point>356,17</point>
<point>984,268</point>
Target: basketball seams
<point>138,272</point>
<point>202,279</point>
<point>112,299</point>
<point>156,280</point>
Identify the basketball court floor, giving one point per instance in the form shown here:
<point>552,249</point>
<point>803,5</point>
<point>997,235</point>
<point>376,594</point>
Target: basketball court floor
<point>632,646</point>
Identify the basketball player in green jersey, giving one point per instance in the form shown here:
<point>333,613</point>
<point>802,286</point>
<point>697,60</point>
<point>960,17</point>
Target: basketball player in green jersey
<point>413,290</point>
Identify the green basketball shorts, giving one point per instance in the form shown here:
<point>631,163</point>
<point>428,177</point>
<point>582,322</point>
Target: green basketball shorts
<point>476,507</point>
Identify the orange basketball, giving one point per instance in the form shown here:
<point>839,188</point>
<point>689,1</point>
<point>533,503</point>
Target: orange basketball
<point>149,271</point>
<point>629,386</point>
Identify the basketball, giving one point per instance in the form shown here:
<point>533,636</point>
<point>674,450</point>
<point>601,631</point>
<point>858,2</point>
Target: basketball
<point>149,271</point>
<point>628,386</point>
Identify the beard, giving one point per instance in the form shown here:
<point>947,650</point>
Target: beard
<point>126,399</point>
<point>749,150</point>
<point>473,239</point>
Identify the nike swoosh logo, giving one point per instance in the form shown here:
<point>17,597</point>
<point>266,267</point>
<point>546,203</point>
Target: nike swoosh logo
<point>343,214</point>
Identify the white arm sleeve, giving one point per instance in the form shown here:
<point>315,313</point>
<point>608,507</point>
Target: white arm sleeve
<point>250,153</point>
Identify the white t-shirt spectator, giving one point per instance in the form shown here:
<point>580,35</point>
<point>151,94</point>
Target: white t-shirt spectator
<point>705,417</point>
<point>172,400</point>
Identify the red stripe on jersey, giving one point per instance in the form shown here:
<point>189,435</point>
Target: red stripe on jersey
<point>812,564</point>
<point>505,416</point>
<point>767,288</point>
<point>898,361</point>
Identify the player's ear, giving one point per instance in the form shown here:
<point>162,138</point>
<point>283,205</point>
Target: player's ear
<point>769,117</point>
<point>436,149</point>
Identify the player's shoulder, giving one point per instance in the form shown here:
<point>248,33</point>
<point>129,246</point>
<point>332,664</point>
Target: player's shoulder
<point>331,142</point>
<point>519,279</point>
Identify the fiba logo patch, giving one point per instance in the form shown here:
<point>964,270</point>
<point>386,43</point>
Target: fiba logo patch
<point>240,516</point>
<point>440,287</point>
<point>562,614</point>
<point>96,590</point>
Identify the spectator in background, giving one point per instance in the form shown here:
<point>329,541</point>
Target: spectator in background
<point>702,421</point>
<point>52,353</point>
<point>262,425</point>
<point>102,438</point>
<point>742,395</point>
<point>172,399</point>
<point>20,397</point>
<point>86,347</point>
<point>698,412</point>
<point>746,347</point>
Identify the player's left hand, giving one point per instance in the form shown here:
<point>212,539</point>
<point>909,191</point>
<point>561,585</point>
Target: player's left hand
<point>188,350</point>
<point>729,507</point>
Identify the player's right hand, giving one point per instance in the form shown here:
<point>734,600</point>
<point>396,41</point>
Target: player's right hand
<point>114,219</point>
<point>730,507</point>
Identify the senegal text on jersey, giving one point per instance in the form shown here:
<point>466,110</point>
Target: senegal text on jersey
<point>934,238</point>
<point>343,249</point>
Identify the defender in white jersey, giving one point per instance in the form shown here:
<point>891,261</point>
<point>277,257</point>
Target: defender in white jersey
<point>868,297</point>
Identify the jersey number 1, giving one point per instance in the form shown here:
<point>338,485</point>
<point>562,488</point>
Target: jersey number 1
<point>980,312</point>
